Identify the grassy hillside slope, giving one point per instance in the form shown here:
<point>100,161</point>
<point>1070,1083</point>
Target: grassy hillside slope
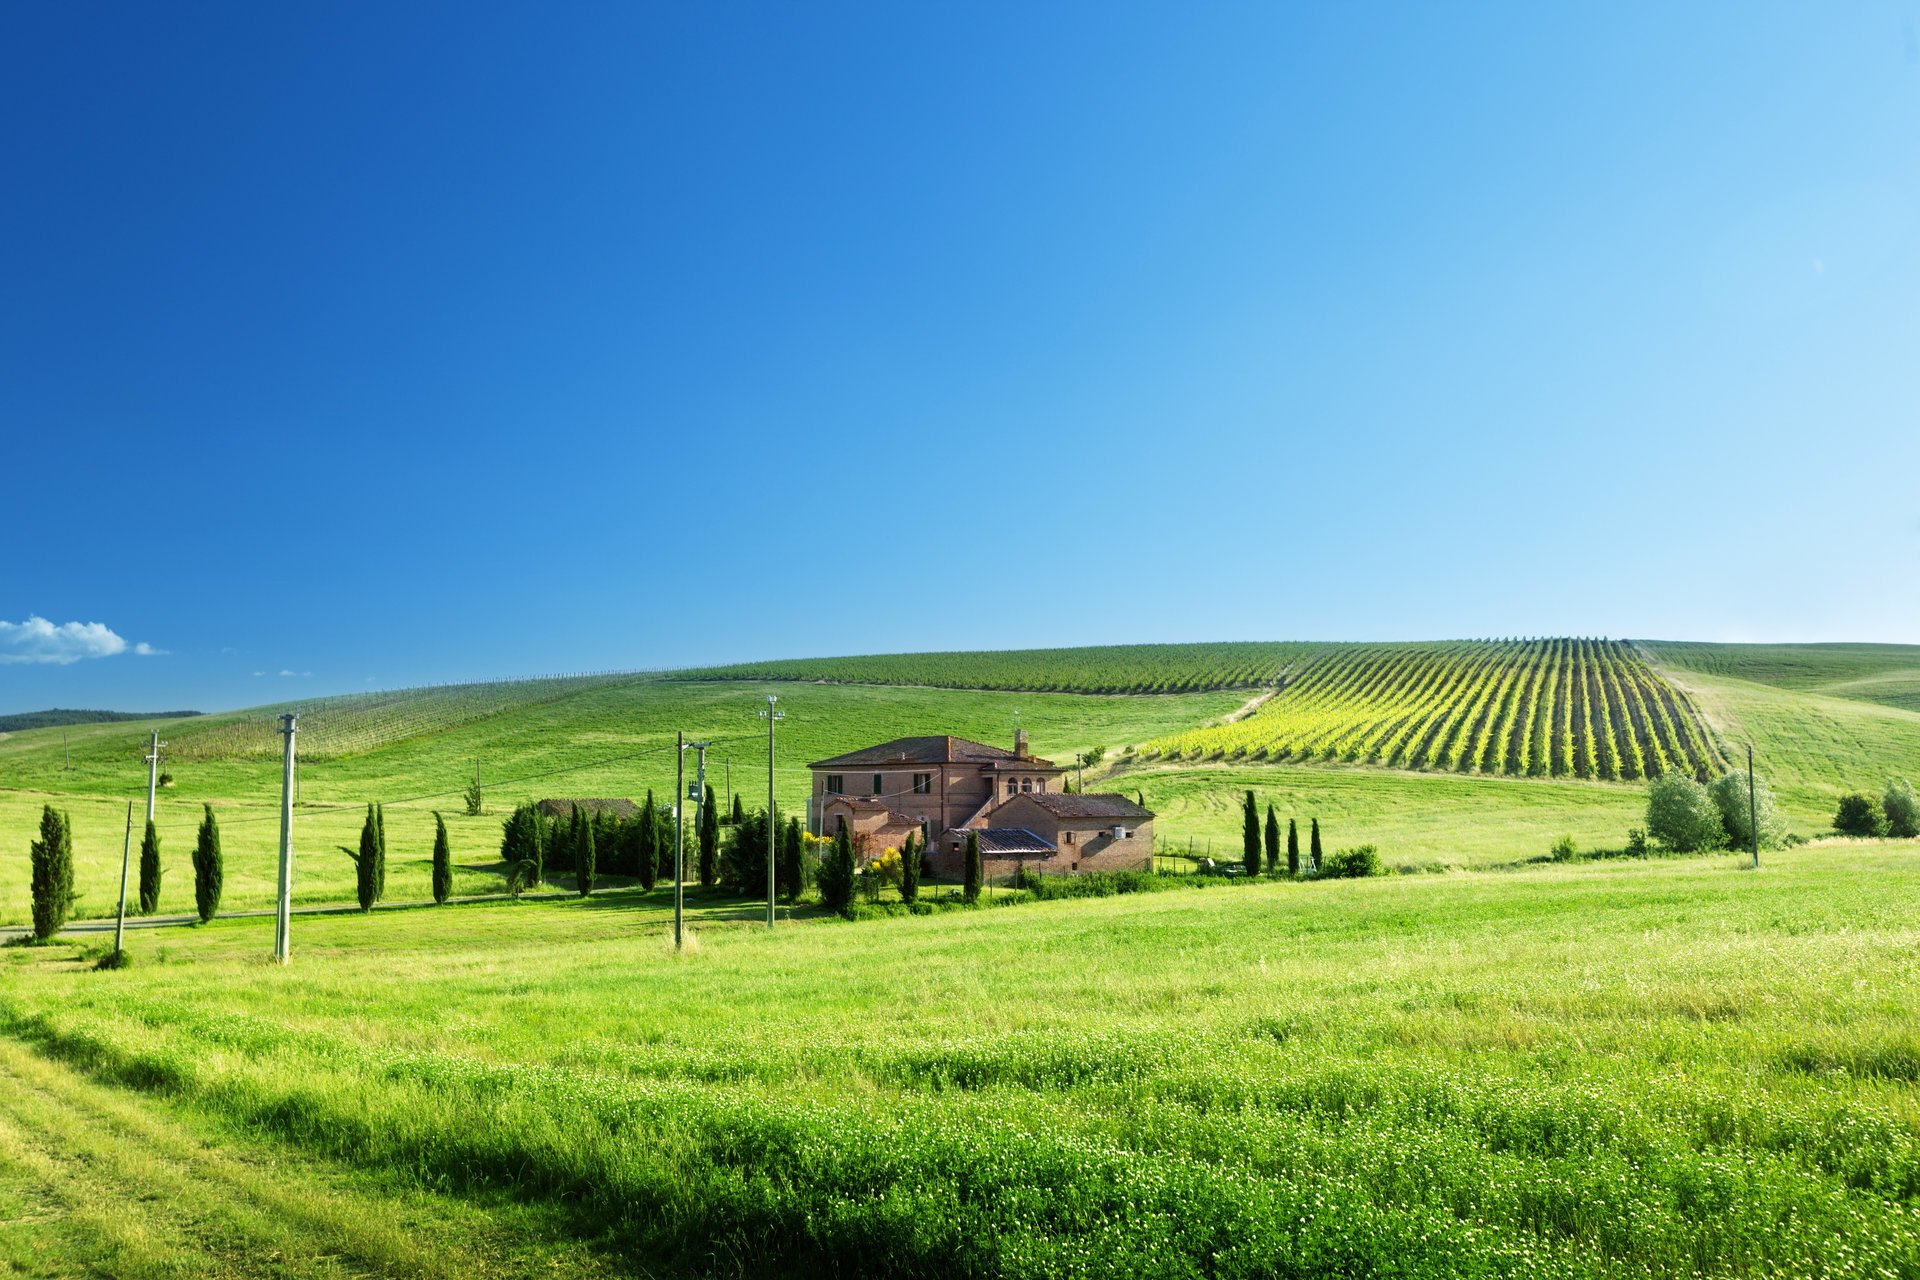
<point>1615,1069</point>
<point>1885,673</point>
<point>610,738</point>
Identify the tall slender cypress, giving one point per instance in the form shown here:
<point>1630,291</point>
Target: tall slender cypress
<point>646,859</point>
<point>709,839</point>
<point>1250,836</point>
<point>1273,842</point>
<point>739,810</point>
<point>366,862</point>
<point>442,860</point>
<point>51,858</point>
<point>150,870</point>
<point>208,870</point>
<point>793,876</point>
<point>910,870</point>
<point>970,888</point>
<point>1293,847</point>
<point>585,859</point>
<point>1313,848</point>
<point>380,862</point>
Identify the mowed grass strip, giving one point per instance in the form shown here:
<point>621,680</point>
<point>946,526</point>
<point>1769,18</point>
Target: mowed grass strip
<point>1604,1069</point>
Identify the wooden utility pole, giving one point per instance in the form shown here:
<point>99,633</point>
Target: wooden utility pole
<point>126,856</point>
<point>283,913</point>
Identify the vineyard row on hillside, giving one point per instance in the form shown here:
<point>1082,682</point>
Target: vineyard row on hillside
<point>1575,708</point>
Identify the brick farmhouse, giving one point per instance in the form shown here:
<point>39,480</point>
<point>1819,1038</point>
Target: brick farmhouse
<point>947,788</point>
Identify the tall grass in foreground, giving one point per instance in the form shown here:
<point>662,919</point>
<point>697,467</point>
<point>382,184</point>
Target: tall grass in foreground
<point>1629,1069</point>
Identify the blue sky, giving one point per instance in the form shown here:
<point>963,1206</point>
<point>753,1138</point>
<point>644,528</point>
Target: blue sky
<point>348,346</point>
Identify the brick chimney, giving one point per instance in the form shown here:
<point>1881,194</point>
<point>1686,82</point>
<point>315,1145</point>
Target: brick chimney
<point>1020,743</point>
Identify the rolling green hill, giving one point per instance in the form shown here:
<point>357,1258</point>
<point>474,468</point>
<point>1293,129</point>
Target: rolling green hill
<point>1429,751</point>
<point>1885,673</point>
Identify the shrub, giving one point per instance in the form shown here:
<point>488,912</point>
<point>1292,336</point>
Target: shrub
<point>792,871</point>
<point>51,857</point>
<point>1565,849</point>
<point>743,855</point>
<point>1636,842</point>
<point>442,861</point>
<point>1682,816</point>
<point>1353,863</point>
<point>1858,815</point>
<point>1730,795</point>
<point>208,870</point>
<point>150,870</point>
<point>1902,809</point>
<point>476,799</point>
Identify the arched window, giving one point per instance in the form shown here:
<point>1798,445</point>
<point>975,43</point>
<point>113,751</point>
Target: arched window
<point>1026,784</point>
<point>1013,788</point>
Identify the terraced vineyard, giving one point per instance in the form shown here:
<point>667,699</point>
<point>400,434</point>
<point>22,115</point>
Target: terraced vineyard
<point>1125,668</point>
<point>356,723</point>
<point>1575,708</point>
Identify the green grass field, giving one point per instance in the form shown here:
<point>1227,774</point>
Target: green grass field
<point>1883,673</point>
<point>1606,1069</point>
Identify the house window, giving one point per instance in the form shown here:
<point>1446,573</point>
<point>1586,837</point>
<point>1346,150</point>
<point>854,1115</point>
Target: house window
<point>877,788</point>
<point>835,784</point>
<point>1042,786</point>
<point>922,784</point>
<point>1026,784</point>
<point>1070,837</point>
<point>1013,788</point>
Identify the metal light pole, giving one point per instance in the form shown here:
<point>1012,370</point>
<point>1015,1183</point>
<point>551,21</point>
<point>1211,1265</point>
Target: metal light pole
<point>1753,808</point>
<point>679,827</point>
<point>153,770</point>
<point>126,855</point>
<point>283,914</point>
<point>772,715</point>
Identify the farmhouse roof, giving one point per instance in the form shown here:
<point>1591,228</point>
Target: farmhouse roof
<point>621,809</point>
<point>854,802</point>
<point>1097,805</point>
<point>928,749</point>
<point>1002,842</point>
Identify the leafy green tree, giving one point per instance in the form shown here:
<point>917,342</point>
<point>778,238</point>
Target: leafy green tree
<point>1730,796</point>
<point>1293,847</point>
<point>836,876</point>
<point>476,799</point>
<point>442,860</point>
<point>709,840</point>
<point>792,871</point>
<point>1901,808</point>
<point>663,833</point>
<point>150,870</point>
<point>1313,847</point>
<point>366,862</point>
<point>743,854</point>
<point>208,869</point>
<point>586,858</point>
<point>1682,815</point>
<point>51,873</point>
<point>1273,842</point>
<point>1250,836</point>
<point>910,869</point>
<point>1858,815</point>
<point>970,887</point>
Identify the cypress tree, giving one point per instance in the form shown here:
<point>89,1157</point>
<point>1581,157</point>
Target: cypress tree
<point>585,859</point>
<point>538,854</point>
<point>207,868</point>
<point>1313,848</point>
<point>709,840</point>
<point>1293,847</point>
<point>646,859</point>
<point>836,876</point>
<point>1273,842</point>
<point>970,889</point>
<point>910,870</point>
<point>663,841</point>
<point>367,862</point>
<point>739,811</point>
<point>51,858</point>
<point>380,861</point>
<point>792,874</point>
<point>1250,836</point>
<point>442,860</point>
<point>150,870</point>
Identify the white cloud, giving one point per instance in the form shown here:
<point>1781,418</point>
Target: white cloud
<point>145,650</point>
<point>285,672</point>
<point>37,640</point>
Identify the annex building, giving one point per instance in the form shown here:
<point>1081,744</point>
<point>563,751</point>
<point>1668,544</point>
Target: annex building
<point>946,787</point>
